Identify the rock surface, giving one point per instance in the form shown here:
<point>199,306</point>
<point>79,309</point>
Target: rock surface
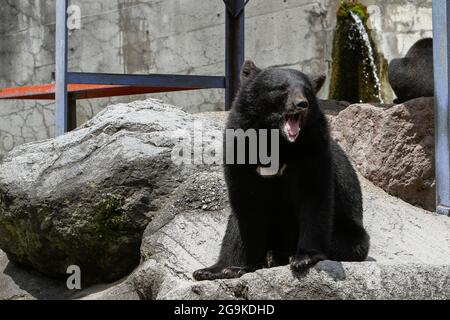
<point>410,253</point>
<point>392,147</point>
<point>85,198</point>
<point>410,256</point>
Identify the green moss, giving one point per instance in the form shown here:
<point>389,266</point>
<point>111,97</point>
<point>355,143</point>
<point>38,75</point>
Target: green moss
<point>352,77</point>
<point>101,238</point>
<point>20,238</point>
<point>106,229</point>
<point>109,212</point>
<point>347,6</point>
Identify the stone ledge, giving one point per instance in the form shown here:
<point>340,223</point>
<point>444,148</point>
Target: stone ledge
<point>331,280</point>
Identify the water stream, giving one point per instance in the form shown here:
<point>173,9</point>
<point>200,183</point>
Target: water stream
<point>370,55</point>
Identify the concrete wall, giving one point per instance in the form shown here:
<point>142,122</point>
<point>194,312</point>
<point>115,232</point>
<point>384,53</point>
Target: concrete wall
<point>175,36</point>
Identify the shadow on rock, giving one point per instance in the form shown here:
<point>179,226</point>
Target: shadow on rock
<point>37,285</point>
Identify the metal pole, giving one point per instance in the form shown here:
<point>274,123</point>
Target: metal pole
<point>441,42</point>
<point>61,103</point>
<point>234,48</point>
<point>72,112</point>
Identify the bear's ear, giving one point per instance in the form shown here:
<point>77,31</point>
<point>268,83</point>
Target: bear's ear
<point>318,82</point>
<point>248,70</point>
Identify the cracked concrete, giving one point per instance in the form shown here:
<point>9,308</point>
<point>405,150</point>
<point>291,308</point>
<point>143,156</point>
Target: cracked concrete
<point>175,36</point>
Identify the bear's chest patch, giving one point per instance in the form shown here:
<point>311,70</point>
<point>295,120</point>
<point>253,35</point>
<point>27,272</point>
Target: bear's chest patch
<point>267,172</point>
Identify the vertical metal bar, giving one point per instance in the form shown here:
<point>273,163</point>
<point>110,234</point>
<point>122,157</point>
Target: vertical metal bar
<point>441,42</point>
<point>234,47</point>
<point>72,112</point>
<point>61,116</point>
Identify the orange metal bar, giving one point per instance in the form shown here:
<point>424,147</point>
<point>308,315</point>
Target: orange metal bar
<point>82,91</point>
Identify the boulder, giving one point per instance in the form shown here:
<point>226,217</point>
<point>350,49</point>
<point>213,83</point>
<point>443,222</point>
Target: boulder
<point>393,147</point>
<point>409,256</point>
<point>185,219</point>
<point>85,198</point>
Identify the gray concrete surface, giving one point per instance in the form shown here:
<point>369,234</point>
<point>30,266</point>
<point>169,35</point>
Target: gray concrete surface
<point>176,36</point>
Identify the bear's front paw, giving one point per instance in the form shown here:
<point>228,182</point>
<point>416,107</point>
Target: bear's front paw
<point>301,263</point>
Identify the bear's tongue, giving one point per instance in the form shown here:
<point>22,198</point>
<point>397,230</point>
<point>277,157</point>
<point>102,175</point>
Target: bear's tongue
<point>292,128</point>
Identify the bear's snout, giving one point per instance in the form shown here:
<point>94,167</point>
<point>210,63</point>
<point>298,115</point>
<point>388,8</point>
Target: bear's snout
<point>301,103</point>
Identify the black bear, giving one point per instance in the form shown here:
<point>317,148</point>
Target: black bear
<point>413,76</point>
<point>311,208</point>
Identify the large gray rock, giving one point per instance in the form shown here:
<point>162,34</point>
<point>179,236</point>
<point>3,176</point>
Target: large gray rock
<point>85,198</point>
<point>409,256</point>
<point>410,253</point>
<point>393,147</point>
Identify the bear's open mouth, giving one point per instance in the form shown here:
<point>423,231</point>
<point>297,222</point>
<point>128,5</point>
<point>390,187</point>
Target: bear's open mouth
<point>292,125</point>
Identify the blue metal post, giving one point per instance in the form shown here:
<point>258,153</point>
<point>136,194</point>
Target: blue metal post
<point>61,104</point>
<point>441,41</point>
<point>234,47</point>
<point>150,80</point>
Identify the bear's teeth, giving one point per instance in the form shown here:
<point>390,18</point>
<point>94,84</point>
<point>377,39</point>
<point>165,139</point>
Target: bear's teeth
<point>292,128</point>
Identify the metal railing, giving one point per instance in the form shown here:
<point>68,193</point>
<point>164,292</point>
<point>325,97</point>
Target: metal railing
<point>234,58</point>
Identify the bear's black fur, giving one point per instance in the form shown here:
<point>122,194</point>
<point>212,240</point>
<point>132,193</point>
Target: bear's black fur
<point>413,76</point>
<point>310,211</point>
